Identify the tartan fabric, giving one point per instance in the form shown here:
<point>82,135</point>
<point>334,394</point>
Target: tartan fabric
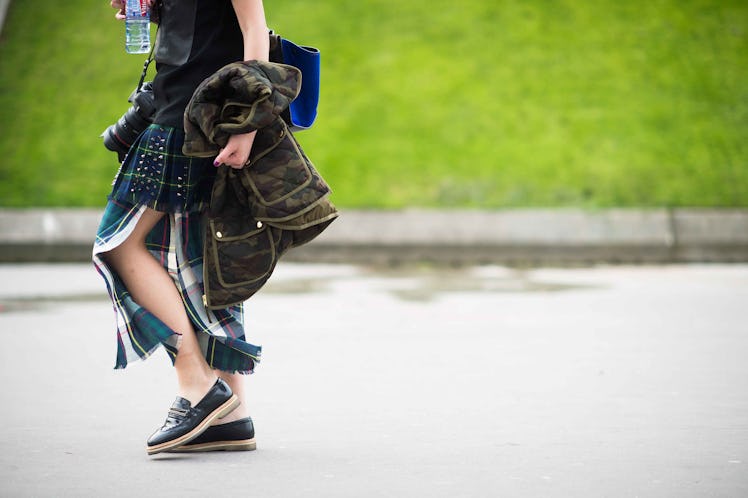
<point>156,173</point>
<point>176,242</point>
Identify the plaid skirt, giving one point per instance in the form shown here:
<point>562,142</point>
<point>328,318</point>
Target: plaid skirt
<point>177,243</point>
<point>156,173</point>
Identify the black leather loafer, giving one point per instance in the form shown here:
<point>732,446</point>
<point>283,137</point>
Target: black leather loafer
<point>186,422</point>
<point>238,435</point>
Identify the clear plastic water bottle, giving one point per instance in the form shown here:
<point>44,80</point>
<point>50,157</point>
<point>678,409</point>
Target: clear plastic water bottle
<point>137,27</point>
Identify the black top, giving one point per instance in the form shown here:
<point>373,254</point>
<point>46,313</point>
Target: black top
<point>195,39</point>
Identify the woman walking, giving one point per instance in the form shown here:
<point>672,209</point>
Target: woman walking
<point>149,244</point>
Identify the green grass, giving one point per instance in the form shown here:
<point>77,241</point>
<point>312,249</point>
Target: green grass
<point>431,103</point>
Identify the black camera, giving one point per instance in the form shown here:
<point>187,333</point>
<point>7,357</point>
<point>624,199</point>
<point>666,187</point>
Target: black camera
<point>121,135</point>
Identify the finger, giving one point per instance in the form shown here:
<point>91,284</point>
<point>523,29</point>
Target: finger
<point>119,4</point>
<point>233,161</point>
<point>223,154</point>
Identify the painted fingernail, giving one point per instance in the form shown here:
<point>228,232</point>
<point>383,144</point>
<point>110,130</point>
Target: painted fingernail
<point>216,163</point>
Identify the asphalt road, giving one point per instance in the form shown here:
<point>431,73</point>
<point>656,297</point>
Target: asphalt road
<point>407,382</point>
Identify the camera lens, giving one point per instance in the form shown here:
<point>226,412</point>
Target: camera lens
<point>121,135</point>
<point>113,143</point>
<point>130,125</point>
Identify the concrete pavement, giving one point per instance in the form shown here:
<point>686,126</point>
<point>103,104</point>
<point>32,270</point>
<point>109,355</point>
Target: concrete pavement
<point>409,381</point>
<point>510,236</point>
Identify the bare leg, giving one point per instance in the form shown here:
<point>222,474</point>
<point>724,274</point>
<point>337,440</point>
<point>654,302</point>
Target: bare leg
<point>151,286</point>
<point>236,383</point>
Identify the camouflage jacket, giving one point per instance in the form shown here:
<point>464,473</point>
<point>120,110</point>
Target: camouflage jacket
<point>276,202</point>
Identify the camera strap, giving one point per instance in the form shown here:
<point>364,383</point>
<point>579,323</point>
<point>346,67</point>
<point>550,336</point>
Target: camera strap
<point>146,64</point>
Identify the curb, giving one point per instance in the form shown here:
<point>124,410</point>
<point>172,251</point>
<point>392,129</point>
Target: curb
<point>4,4</point>
<point>522,236</point>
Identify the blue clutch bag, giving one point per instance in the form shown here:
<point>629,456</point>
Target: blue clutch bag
<point>303,110</point>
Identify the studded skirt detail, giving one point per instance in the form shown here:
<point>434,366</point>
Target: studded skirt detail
<point>156,175</point>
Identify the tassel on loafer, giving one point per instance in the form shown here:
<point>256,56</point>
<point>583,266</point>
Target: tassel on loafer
<point>185,422</point>
<point>238,435</point>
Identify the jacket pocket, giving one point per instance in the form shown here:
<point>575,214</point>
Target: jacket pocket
<point>275,179</point>
<point>242,250</point>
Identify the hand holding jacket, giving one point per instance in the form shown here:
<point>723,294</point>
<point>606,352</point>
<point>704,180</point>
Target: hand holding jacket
<point>239,98</point>
<point>278,202</point>
<point>236,152</point>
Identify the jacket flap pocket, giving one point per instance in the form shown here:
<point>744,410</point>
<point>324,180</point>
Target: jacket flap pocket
<point>275,179</point>
<point>230,229</point>
<point>244,258</point>
<point>266,140</point>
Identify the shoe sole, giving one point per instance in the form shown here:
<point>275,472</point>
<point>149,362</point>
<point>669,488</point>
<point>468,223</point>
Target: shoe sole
<point>220,412</point>
<point>239,445</point>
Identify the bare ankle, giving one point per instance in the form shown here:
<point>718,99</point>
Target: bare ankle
<point>238,413</point>
<point>195,391</point>
<point>194,381</point>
